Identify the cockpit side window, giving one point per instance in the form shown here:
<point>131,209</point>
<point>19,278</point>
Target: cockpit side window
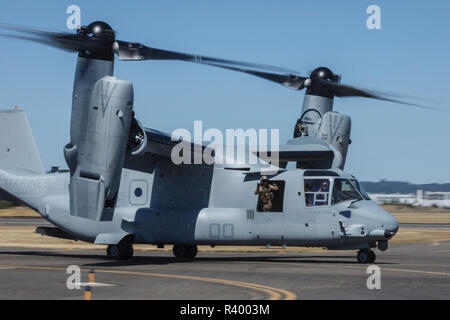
<point>317,192</point>
<point>343,190</point>
<point>360,189</point>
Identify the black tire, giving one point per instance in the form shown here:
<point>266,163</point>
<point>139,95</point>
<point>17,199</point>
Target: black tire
<point>113,252</point>
<point>383,245</point>
<point>129,253</point>
<point>363,256</point>
<point>184,252</point>
<point>372,256</point>
<point>119,251</point>
<point>192,252</point>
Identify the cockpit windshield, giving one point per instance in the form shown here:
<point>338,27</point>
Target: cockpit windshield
<point>360,188</point>
<point>343,190</point>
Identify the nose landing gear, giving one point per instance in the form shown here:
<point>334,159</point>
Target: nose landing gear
<point>366,256</point>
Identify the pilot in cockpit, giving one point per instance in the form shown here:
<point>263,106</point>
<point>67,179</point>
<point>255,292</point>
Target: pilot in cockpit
<point>324,186</point>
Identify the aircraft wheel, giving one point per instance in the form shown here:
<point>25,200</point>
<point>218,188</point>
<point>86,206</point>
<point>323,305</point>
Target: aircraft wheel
<point>372,256</point>
<point>119,251</point>
<point>129,253</point>
<point>184,252</point>
<point>363,256</point>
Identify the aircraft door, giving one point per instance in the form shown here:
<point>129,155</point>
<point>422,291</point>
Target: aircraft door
<point>270,222</point>
<point>319,215</point>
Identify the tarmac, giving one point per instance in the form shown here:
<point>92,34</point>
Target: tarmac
<point>407,271</point>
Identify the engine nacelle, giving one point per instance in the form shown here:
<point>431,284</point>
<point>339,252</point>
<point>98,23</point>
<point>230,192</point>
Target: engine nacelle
<point>335,129</point>
<point>137,139</point>
<point>96,161</point>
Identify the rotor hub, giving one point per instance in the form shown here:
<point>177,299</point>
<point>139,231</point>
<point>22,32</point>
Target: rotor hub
<point>315,86</point>
<point>324,74</point>
<point>101,38</point>
<point>99,30</point>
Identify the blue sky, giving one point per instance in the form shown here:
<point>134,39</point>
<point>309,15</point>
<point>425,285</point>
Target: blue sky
<point>409,55</point>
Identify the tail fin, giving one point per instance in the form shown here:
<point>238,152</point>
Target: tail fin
<point>18,151</point>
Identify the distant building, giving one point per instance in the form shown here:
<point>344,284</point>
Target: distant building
<point>425,199</point>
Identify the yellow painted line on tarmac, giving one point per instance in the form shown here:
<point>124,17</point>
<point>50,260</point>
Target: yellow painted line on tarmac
<point>273,293</point>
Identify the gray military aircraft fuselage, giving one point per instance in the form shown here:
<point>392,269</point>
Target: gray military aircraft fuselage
<point>123,187</point>
<point>210,205</point>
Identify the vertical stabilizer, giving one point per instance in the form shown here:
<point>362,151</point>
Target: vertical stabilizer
<point>18,150</point>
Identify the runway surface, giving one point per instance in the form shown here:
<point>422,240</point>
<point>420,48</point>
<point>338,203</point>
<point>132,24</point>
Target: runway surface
<point>412,271</point>
<point>22,222</point>
<point>428,226</point>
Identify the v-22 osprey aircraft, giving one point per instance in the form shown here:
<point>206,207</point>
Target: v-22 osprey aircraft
<point>122,187</point>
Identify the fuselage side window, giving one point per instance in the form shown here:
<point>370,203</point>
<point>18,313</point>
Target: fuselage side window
<point>317,192</point>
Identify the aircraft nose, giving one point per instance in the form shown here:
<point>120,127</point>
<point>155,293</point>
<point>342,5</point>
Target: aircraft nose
<point>392,225</point>
<point>389,223</point>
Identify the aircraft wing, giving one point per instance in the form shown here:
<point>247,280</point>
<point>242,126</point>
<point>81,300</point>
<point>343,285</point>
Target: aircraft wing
<point>159,149</point>
<point>308,151</point>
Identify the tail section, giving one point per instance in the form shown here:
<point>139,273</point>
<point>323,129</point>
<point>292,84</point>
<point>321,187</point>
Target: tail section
<point>21,173</point>
<point>18,150</point>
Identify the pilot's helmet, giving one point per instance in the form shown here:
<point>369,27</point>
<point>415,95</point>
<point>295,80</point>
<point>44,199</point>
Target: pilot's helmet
<point>264,178</point>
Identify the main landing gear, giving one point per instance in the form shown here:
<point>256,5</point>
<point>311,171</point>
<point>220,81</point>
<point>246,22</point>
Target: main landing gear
<point>184,252</point>
<point>120,251</point>
<point>366,256</point>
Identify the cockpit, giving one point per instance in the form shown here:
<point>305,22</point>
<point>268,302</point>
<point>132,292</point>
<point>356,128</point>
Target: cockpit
<point>325,191</point>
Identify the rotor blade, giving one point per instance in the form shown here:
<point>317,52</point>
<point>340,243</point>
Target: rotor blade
<point>38,40</point>
<point>62,40</point>
<point>342,90</point>
<point>288,80</point>
<point>17,28</point>
<point>129,51</point>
